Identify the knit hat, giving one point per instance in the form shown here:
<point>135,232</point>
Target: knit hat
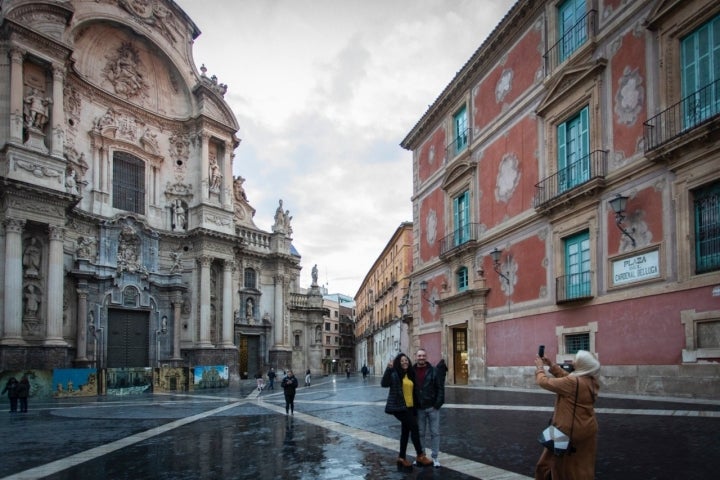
<point>585,364</point>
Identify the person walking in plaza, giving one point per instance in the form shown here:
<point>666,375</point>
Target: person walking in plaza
<point>430,386</point>
<point>347,371</point>
<point>289,385</point>
<point>307,377</point>
<point>11,389</point>
<point>399,377</point>
<point>23,392</point>
<point>574,415</point>
<point>259,380</point>
<point>271,379</point>
<point>364,371</point>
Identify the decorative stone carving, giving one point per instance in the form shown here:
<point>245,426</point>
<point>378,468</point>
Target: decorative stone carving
<point>508,177</point>
<point>149,142</point>
<point>129,251</point>
<point>107,120</point>
<point>155,15</point>
<point>176,258</point>
<point>38,170</point>
<point>83,247</point>
<point>33,299</point>
<point>124,70</point>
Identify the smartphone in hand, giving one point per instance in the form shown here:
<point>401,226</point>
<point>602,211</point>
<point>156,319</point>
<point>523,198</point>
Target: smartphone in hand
<point>541,351</point>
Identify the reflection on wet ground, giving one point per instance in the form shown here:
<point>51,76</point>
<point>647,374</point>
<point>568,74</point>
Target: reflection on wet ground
<point>339,431</point>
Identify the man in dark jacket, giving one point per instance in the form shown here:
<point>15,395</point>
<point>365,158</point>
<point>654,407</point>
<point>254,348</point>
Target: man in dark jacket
<point>430,387</point>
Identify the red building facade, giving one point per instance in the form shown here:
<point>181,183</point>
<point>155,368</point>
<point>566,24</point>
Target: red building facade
<point>568,111</point>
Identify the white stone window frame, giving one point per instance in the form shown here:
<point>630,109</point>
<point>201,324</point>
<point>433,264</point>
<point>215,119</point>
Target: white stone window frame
<point>590,328</point>
<point>690,320</point>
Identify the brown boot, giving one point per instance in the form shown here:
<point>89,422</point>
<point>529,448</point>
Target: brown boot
<point>403,463</point>
<point>423,461</point>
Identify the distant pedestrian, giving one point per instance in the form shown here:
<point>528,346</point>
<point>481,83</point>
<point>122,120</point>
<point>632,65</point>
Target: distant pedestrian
<point>23,392</point>
<point>259,380</point>
<point>364,371</point>
<point>574,415</point>
<point>11,389</point>
<point>430,386</point>
<point>347,371</point>
<point>289,385</point>
<point>307,377</point>
<point>271,379</point>
<point>401,402</point>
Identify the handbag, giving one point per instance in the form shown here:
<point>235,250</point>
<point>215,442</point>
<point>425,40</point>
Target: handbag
<point>555,439</point>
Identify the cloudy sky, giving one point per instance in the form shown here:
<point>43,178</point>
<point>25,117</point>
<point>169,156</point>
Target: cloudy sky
<point>324,92</point>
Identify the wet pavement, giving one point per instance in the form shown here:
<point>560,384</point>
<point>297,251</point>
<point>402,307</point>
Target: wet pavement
<point>340,431</point>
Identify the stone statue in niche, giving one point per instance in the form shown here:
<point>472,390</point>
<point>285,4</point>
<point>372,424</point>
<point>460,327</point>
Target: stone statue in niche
<point>215,175</point>
<point>35,110</point>
<point>32,257</point>
<point>71,183</point>
<point>32,301</point>
<point>249,308</point>
<point>179,216</point>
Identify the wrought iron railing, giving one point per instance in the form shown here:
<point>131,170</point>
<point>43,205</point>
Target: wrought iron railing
<point>587,168</point>
<point>461,143</point>
<point>572,40</point>
<point>459,237</point>
<point>690,112</point>
<point>707,232</point>
<point>576,286</point>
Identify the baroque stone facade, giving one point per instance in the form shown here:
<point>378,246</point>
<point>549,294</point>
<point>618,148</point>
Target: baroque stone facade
<point>126,241</point>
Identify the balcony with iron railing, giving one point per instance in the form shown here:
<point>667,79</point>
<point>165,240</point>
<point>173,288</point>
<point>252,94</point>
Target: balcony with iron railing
<point>571,41</point>
<point>579,177</point>
<point>696,110</point>
<point>574,287</point>
<point>459,145</point>
<point>465,236</point>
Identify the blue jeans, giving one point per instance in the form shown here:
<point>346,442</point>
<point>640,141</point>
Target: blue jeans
<point>430,418</point>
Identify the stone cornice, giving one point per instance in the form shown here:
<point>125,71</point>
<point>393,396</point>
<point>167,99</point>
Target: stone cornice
<point>483,59</point>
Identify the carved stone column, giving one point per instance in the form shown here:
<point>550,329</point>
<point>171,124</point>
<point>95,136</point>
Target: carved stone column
<point>177,307</point>
<point>205,165</point>
<point>16,95</point>
<point>55,287</point>
<point>227,188</point>
<point>58,111</point>
<point>227,316</point>
<point>205,263</point>
<point>82,294</point>
<point>279,316</point>
<point>12,302</point>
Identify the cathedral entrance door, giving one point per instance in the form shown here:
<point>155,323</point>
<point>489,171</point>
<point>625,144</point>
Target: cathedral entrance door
<point>128,339</point>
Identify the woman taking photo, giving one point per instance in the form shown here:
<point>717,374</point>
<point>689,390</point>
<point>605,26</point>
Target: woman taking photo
<point>574,415</point>
<point>400,378</point>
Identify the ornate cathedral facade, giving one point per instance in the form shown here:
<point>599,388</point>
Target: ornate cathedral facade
<point>126,241</point>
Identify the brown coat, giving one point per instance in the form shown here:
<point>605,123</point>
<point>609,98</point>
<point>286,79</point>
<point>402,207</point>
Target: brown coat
<point>579,465</point>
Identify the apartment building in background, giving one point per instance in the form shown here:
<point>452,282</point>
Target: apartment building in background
<point>382,302</point>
